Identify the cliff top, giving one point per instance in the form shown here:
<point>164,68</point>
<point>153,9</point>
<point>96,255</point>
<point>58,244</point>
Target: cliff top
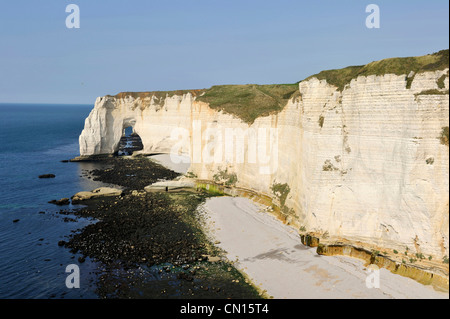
<point>250,101</point>
<point>398,66</point>
<point>158,94</point>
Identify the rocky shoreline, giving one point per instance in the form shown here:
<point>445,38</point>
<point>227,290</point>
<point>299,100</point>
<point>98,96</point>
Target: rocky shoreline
<point>151,244</point>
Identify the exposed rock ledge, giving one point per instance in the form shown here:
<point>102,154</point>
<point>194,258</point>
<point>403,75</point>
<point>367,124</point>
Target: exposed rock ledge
<point>366,163</point>
<point>170,186</point>
<point>98,192</point>
<point>425,274</point>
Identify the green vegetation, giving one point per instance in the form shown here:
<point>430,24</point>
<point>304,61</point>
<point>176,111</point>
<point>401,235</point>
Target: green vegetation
<point>429,161</point>
<point>210,189</point>
<point>190,175</point>
<point>444,136</point>
<point>225,178</point>
<point>339,77</point>
<point>248,102</point>
<point>328,166</point>
<point>432,92</point>
<point>303,228</point>
<point>321,120</point>
<point>281,191</point>
<point>399,66</point>
<point>420,256</point>
<point>395,251</point>
<point>159,95</point>
<point>445,259</point>
<point>409,80</point>
<point>374,256</point>
<point>441,81</point>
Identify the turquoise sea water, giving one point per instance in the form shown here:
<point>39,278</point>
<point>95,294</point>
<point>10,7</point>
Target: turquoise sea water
<point>34,140</point>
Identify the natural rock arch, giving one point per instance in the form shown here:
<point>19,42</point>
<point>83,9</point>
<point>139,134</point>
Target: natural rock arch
<point>130,140</point>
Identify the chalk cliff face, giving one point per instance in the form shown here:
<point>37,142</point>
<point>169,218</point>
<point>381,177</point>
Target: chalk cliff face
<point>364,164</point>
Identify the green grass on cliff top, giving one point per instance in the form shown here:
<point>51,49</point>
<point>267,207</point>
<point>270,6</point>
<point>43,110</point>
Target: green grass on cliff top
<point>159,95</point>
<point>250,101</point>
<point>247,102</point>
<point>398,66</point>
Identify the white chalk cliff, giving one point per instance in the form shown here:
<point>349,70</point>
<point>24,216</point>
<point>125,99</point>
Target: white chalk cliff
<point>365,164</point>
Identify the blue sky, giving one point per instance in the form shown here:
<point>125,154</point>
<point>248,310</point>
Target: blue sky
<point>143,45</point>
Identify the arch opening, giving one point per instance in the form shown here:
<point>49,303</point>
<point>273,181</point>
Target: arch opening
<point>129,142</point>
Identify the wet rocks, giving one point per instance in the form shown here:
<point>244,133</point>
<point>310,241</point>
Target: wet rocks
<point>60,202</point>
<point>185,276</point>
<point>133,174</point>
<point>213,259</point>
<point>185,267</point>
<point>80,196</point>
<point>47,176</point>
<point>136,228</point>
<point>139,236</point>
<point>166,268</point>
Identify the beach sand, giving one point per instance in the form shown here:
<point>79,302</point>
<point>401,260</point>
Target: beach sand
<point>271,255</point>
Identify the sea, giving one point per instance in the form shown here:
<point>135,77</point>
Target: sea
<point>35,139</point>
